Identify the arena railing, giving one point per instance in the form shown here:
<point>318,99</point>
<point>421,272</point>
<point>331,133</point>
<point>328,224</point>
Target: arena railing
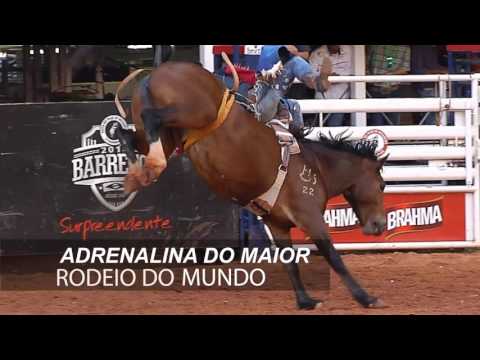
<point>441,159</point>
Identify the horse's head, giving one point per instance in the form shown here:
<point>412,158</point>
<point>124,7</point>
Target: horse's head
<point>366,197</point>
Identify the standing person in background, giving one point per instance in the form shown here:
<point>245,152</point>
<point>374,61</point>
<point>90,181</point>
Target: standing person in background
<point>342,65</point>
<point>386,60</point>
<point>299,91</point>
<point>425,61</point>
<point>246,77</point>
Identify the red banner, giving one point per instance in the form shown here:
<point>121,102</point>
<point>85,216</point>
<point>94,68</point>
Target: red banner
<point>227,49</point>
<point>463,48</point>
<point>410,218</point>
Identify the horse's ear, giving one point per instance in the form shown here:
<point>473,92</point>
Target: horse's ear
<point>383,160</point>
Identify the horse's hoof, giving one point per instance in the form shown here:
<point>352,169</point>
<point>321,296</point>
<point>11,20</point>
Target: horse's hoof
<point>377,304</point>
<point>309,304</point>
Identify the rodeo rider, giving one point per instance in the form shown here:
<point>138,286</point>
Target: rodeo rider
<point>278,67</point>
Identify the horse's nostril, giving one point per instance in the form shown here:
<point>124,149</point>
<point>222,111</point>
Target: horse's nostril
<point>380,225</point>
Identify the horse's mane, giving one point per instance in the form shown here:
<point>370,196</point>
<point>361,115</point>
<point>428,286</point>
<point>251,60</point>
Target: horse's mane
<point>342,142</point>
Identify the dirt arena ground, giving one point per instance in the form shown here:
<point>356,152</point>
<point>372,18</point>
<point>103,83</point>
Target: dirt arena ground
<point>409,283</point>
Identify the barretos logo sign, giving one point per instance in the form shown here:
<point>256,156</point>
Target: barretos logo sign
<point>378,137</point>
<point>101,164</point>
<point>402,218</point>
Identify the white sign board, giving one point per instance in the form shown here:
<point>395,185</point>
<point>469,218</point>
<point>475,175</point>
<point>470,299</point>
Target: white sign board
<point>253,49</point>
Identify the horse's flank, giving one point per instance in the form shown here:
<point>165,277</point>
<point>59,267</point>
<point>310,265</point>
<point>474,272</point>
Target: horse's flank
<point>240,160</point>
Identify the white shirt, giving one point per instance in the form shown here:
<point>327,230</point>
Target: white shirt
<point>342,64</point>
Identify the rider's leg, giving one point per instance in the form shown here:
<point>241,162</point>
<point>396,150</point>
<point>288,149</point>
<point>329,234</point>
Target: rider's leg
<point>297,124</point>
<point>268,99</point>
<point>335,119</point>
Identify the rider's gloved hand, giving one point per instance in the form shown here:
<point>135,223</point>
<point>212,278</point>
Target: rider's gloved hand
<point>272,74</point>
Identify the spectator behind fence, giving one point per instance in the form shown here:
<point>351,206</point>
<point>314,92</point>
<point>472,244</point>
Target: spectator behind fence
<point>386,60</point>
<point>299,50</point>
<point>425,61</point>
<point>245,74</point>
<point>342,64</point>
<point>475,63</point>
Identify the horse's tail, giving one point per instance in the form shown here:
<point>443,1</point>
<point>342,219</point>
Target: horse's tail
<point>236,80</point>
<point>122,85</point>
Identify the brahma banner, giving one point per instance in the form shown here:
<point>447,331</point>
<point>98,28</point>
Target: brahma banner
<point>410,217</point>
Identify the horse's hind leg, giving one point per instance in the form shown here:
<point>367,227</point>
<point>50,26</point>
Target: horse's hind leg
<point>127,141</point>
<point>282,240</point>
<point>156,161</point>
<point>317,229</point>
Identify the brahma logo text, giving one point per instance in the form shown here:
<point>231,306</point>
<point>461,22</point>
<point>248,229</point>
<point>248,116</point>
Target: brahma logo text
<point>400,218</point>
<point>101,164</point>
<point>341,217</point>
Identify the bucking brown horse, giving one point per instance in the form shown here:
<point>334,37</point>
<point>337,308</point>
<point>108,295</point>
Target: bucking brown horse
<point>183,105</point>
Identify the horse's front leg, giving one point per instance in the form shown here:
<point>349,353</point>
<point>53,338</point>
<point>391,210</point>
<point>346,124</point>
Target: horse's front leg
<point>282,239</point>
<point>313,224</point>
<point>132,141</point>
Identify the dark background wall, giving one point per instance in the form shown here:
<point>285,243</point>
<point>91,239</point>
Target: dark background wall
<point>36,188</point>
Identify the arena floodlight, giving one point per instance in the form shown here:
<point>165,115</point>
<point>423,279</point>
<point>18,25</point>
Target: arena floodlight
<point>139,47</point>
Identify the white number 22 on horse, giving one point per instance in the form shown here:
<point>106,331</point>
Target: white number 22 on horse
<point>253,49</point>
